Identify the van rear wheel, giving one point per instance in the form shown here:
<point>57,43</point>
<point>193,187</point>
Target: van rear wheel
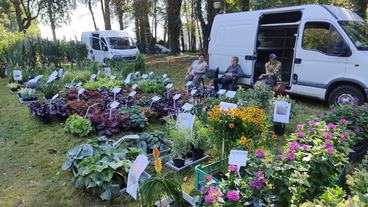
<point>346,95</point>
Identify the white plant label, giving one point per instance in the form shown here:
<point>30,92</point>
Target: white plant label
<point>93,76</point>
<point>55,96</point>
<point>144,76</point>
<point>177,96</point>
<point>135,86</point>
<point>35,79</point>
<point>17,75</point>
<point>189,83</point>
<point>193,92</point>
<point>131,136</point>
<point>165,75</point>
<point>169,86</point>
<point>135,172</point>
<point>281,112</point>
<point>79,84</point>
<point>221,92</point>
<point>150,73</point>
<point>81,91</point>
<point>116,90</point>
<point>114,105</point>
<point>51,79</point>
<point>187,107</point>
<point>185,122</point>
<point>55,73</point>
<point>238,158</point>
<point>107,72</point>
<point>230,94</point>
<point>156,98</point>
<point>98,73</point>
<point>226,106</point>
<point>131,94</point>
<point>166,80</point>
<point>112,77</point>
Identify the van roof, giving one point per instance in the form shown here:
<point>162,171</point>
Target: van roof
<point>109,33</point>
<point>311,10</point>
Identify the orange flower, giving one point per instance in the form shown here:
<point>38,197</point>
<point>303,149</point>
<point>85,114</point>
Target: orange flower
<point>249,140</point>
<point>231,125</point>
<point>274,136</point>
<point>242,140</point>
<point>210,129</point>
<point>156,152</point>
<point>158,166</point>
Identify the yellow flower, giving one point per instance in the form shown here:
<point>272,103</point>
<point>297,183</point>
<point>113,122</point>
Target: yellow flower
<point>274,136</point>
<point>242,140</point>
<point>158,166</point>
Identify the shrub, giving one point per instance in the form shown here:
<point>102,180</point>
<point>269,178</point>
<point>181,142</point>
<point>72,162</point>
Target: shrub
<point>258,96</point>
<point>77,125</point>
<point>151,86</point>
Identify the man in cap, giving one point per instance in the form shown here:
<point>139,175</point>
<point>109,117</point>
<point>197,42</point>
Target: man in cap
<point>273,70</point>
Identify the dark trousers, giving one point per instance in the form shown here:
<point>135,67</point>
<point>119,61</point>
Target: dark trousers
<point>224,81</point>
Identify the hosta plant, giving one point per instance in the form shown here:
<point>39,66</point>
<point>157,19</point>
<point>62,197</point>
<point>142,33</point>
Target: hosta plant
<point>27,94</point>
<point>78,125</point>
<point>137,120</point>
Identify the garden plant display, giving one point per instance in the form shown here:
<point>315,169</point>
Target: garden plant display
<point>27,94</point>
<point>77,125</point>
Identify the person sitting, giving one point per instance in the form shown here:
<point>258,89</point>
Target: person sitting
<point>196,70</point>
<point>273,71</point>
<point>234,70</point>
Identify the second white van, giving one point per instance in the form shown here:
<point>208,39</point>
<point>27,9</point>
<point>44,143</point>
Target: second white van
<point>323,49</point>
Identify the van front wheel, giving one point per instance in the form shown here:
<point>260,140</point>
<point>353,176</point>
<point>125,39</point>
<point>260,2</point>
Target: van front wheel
<point>346,95</point>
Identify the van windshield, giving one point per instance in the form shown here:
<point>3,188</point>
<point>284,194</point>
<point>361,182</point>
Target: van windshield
<point>121,43</point>
<point>358,33</point>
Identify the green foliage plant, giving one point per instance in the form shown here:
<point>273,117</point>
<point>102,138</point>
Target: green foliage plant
<point>78,125</point>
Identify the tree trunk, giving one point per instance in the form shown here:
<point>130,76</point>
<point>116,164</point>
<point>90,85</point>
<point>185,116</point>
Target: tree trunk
<point>142,26</point>
<point>174,25</point>
<point>361,7</point>
<point>93,16</point>
<point>120,14</point>
<point>245,5</point>
<point>51,19</point>
<point>18,13</point>
<point>107,15</point>
<point>182,40</point>
<point>205,26</point>
<point>200,35</point>
<point>193,38</point>
<point>165,31</point>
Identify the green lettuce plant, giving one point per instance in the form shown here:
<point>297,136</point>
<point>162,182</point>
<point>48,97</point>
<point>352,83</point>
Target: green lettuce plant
<point>78,125</point>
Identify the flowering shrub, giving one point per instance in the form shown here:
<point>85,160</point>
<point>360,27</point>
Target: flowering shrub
<point>233,124</point>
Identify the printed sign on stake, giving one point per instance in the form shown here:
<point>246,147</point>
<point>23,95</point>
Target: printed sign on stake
<point>55,96</point>
<point>51,79</point>
<point>281,112</point>
<point>187,107</point>
<point>107,72</point>
<point>114,105</point>
<point>17,75</point>
<point>116,90</point>
<point>221,92</point>
<point>185,122</point>
<point>135,172</point>
<point>226,106</point>
<point>193,92</point>
<point>93,76</point>
<point>81,91</point>
<point>177,96</point>
<point>35,79</point>
<point>55,74</point>
<point>134,86</point>
<point>156,98</point>
<point>165,75</point>
<point>169,86</point>
<point>131,94</point>
<point>144,76</point>
<point>238,158</point>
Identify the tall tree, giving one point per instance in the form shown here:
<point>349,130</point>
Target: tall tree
<point>27,11</point>
<point>206,23</point>
<point>174,24</point>
<point>120,7</point>
<point>142,27</point>
<point>245,5</point>
<point>91,5</point>
<point>360,7</point>
<point>106,14</point>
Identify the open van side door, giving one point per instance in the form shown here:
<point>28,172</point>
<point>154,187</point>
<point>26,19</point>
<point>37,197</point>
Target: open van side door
<point>234,35</point>
<point>96,52</point>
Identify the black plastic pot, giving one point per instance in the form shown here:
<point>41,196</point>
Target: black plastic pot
<point>14,89</point>
<point>179,162</point>
<point>188,155</point>
<point>279,128</point>
<point>360,150</point>
<point>197,154</point>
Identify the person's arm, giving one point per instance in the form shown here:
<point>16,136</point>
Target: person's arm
<point>264,74</point>
<point>190,68</point>
<point>203,70</point>
<point>238,71</point>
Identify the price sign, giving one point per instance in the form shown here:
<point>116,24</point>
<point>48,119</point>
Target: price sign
<point>221,92</point>
<point>193,92</point>
<point>93,76</point>
<point>135,172</point>
<point>55,97</point>
<point>187,107</point>
<point>17,75</point>
<point>116,90</point>
<point>134,86</point>
<point>156,98</point>
<point>144,76</point>
<point>177,96</point>
<point>230,94</point>
<point>226,106</point>
<point>131,94</point>
<point>114,105</point>
<point>81,91</point>
<point>107,72</point>
<point>169,86</point>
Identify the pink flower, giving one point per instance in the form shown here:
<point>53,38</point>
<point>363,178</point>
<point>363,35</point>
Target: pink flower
<point>312,122</point>
<point>305,147</point>
<point>233,196</point>
<point>280,150</point>
<point>342,140</point>
<point>278,157</point>
<point>345,134</point>
<point>294,145</point>
<point>330,150</point>
<point>290,156</point>
<point>300,134</point>
<point>202,189</point>
<point>331,126</point>
<point>344,121</point>
<point>232,168</point>
<point>260,153</point>
<point>328,135</point>
<point>327,144</point>
<point>299,127</point>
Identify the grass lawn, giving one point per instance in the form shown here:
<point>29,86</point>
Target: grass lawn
<point>31,153</point>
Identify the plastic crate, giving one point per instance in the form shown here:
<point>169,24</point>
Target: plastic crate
<point>202,171</point>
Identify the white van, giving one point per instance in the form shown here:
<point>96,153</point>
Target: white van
<point>323,49</point>
<point>109,45</point>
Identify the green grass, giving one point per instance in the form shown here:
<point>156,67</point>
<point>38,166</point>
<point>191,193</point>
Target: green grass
<point>30,174</point>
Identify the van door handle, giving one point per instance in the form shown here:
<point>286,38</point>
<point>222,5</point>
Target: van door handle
<point>250,57</point>
<point>298,61</point>
<point>295,78</point>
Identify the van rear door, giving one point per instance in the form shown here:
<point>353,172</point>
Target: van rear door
<point>234,35</point>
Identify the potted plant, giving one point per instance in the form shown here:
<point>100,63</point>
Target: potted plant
<point>200,140</point>
<point>78,125</point>
<point>137,120</point>
<point>148,141</point>
<point>49,90</point>
<point>14,87</point>
<point>27,94</point>
<point>180,146</point>
<point>41,110</point>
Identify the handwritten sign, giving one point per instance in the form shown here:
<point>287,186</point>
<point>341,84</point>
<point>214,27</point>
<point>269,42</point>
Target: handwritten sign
<point>187,107</point>
<point>114,105</point>
<point>169,86</point>
<point>226,106</point>
<point>230,94</point>
<point>107,72</point>
<point>131,94</point>
<point>135,172</point>
<point>221,92</point>
<point>17,75</point>
<point>281,112</point>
